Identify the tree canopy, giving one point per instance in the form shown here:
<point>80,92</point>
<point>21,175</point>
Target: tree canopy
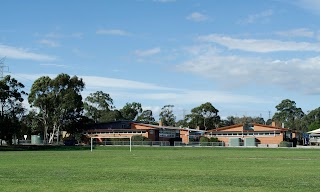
<point>204,116</point>
<point>12,110</point>
<point>146,116</point>
<point>131,110</point>
<point>167,116</point>
<point>59,102</point>
<point>289,114</point>
<point>97,104</point>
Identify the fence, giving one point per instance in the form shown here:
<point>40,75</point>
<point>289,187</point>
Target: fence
<point>200,144</point>
<point>134,143</point>
<point>181,144</point>
<point>229,144</point>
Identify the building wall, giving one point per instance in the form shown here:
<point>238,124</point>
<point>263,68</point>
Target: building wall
<point>263,140</point>
<point>184,135</point>
<point>117,135</point>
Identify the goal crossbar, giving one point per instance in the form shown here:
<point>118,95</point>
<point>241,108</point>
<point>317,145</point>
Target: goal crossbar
<point>104,137</point>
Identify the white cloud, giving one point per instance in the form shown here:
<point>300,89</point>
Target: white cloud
<point>54,35</point>
<point>261,46</point>
<point>148,52</point>
<point>49,43</point>
<point>301,32</point>
<point>258,17</point>
<point>112,32</point>
<point>236,71</point>
<point>197,17</point>
<point>54,65</point>
<point>93,81</point>
<point>312,5</point>
<point>20,53</point>
<point>128,90</point>
<point>77,35</point>
<point>199,96</point>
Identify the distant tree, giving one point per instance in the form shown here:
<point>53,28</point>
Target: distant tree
<point>58,101</point>
<point>146,116</point>
<point>289,114</point>
<point>182,123</point>
<point>131,110</point>
<point>32,123</point>
<point>312,120</point>
<point>227,122</point>
<point>166,115</point>
<point>97,105</point>
<point>269,122</point>
<point>11,109</point>
<point>205,116</point>
<point>112,115</point>
<point>77,125</point>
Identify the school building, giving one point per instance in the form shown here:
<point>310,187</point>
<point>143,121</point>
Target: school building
<point>159,132</point>
<point>262,134</point>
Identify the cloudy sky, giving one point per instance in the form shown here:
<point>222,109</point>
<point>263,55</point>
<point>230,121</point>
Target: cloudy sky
<point>242,56</point>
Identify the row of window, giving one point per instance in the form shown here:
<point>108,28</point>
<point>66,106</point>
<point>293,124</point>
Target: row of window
<point>118,132</point>
<point>167,135</point>
<point>245,134</point>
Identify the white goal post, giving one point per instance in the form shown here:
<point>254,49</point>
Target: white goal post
<point>104,137</point>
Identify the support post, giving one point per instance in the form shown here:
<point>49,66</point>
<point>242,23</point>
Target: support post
<point>91,144</point>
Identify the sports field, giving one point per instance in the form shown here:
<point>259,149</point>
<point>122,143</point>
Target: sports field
<point>161,169</point>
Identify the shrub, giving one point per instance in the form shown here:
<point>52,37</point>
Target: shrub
<point>285,144</point>
<point>204,141</point>
<point>139,138</point>
<point>214,139</point>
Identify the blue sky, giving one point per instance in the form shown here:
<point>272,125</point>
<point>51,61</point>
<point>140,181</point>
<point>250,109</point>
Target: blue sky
<point>242,56</point>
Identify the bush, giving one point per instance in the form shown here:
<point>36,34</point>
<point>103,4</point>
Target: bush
<point>204,141</point>
<point>285,144</point>
<point>139,138</point>
<point>214,139</point>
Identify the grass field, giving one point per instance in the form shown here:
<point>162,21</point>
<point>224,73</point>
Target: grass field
<point>161,169</point>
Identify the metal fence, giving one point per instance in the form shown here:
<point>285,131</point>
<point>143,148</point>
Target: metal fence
<point>227,144</point>
<point>200,144</point>
<point>134,143</point>
<point>180,144</point>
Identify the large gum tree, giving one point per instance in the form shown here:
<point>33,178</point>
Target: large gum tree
<point>58,102</point>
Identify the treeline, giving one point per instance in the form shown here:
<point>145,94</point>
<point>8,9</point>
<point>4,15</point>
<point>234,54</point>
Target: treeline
<point>57,104</point>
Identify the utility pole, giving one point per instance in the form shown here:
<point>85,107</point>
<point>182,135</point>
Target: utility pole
<point>269,114</point>
<point>2,67</point>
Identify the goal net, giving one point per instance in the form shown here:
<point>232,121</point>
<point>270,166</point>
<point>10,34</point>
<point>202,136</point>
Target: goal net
<point>127,137</point>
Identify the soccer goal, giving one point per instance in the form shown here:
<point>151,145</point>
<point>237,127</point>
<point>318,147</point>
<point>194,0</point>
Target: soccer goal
<point>91,143</point>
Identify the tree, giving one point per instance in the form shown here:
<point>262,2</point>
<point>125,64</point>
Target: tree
<point>112,115</point>
<point>312,120</point>
<point>289,114</point>
<point>166,115</point>
<point>131,110</point>
<point>97,104</point>
<point>205,116</point>
<point>58,100</point>
<point>11,111</point>
<point>269,122</point>
<point>146,116</point>
<point>31,123</point>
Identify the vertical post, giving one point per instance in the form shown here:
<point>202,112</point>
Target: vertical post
<point>91,144</point>
<point>130,144</point>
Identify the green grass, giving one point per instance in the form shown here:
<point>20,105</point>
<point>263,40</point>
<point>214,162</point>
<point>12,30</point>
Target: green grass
<point>161,169</point>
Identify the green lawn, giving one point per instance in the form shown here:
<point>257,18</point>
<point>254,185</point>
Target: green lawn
<point>161,169</point>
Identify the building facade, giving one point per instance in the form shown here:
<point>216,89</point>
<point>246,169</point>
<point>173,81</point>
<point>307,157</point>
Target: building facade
<point>263,134</point>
